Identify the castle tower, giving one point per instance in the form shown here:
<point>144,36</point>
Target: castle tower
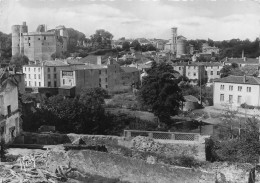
<point>17,38</point>
<point>174,39</point>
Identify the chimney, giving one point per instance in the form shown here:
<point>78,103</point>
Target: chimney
<point>242,53</point>
<point>244,79</point>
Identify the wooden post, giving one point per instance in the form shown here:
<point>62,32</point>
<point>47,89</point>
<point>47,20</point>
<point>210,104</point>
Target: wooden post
<point>173,136</point>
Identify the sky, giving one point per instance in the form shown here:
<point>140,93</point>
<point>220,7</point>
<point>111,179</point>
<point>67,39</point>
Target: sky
<point>195,19</point>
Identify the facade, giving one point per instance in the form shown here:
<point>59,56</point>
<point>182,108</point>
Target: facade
<point>10,125</point>
<point>236,90</point>
<point>46,73</point>
<point>207,71</point>
<point>41,44</point>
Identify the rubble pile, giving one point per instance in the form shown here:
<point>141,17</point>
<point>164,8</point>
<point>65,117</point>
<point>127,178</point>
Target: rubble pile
<point>146,144</point>
<point>33,169</point>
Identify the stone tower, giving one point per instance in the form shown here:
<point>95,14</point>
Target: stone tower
<point>17,38</point>
<point>174,39</point>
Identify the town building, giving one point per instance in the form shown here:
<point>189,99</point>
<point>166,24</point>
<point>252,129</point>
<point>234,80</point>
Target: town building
<point>46,73</point>
<point>242,62</point>
<point>194,71</point>
<point>10,125</point>
<point>41,44</point>
<point>236,90</point>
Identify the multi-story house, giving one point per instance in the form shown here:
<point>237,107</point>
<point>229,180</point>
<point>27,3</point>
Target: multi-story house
<point>236,90</point>
<point>46,73</point>
<point>10,125</point>
<point>206,71</point>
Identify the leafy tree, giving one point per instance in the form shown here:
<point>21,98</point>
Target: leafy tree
<point>148,47</point>
<point>126,45</point>
<point>160,92</point>
<point>19,60</point>
<point>231,70</point>
<point>63,55</point>
<point>136,45</point>
<point>76,39</point>
<point>3,150</point>
<point>101,39</point>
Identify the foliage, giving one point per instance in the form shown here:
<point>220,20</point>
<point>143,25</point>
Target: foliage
<point>126,45</point>
<point>231,70</point>
<point>19,60</point>
<point>136,45</point>
<point>75,38</point>
<point>101,39</point>
<point>60,55</point>
<point>148,47</point>
<point>5,46</point>
<point>160,91</point>
<point>245,148</point>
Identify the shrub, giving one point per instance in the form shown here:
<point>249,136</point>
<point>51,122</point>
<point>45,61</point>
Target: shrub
<point>3,150</point>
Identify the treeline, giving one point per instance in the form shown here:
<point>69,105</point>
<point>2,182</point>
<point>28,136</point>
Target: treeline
<point>5,47</point>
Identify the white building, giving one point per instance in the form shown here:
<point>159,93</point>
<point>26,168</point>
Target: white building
<point>236,90</point>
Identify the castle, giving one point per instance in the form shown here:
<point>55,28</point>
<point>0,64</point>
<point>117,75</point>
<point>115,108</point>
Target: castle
<point>41,44</point>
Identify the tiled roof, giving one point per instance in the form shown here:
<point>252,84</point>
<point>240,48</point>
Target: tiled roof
<point>92,59</point>
<point>242,61</point>
<point>89,66</point>
<point>55,63</point>
<point>239,80</point>
<point>190,98</point>
<point>208,64</point>
<point>130,69</point>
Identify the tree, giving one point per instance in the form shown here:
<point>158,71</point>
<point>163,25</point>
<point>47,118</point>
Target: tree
<point>126,45</point>
<point>19,60</point>
<point>160,92</point>
<point>231,70</point>
<point>101,39</point>
<point>136,45</point>
<point>76,39</point>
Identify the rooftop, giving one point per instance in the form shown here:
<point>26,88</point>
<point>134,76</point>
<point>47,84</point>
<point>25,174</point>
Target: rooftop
<point>239,80</point>
<point>130,69</point>
<point>242,60</point>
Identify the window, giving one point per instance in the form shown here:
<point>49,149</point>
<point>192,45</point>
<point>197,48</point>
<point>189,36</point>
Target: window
<point>54,69</point>
<point>211,72</point>
<point>179,68</point>
<point>222,87</point>
<point>34,69</point>
<point>63,81</point>
<point>29,76</point>
<point>29,38</point>
<point>2,130</point>
<point>34,76</point>
<point>239,99</point>
<point>230,98</point>
<point>25,76</point>
<point>194,74</point>
<point>188,73</point>
<point>29,83</point>
<point>106,79</point>
<point>211,67</point>
<point>106,86</point>
<point>99,72</point>
<point>39,69</point>
<point>49,69</point>
<point>206,73</point>
<point>29,69</point>
<point>49,76</point>
<point>100,80</point>
<point>221,97</point>
<point>44,37</point>
<point>39,83</point>
<point>9,110</point>
<point>248,89</point>
<point>230,88</point>
<point>39,76</point>
<point>106,71</point>
<point>29,44</point>
<point>35,84</point>
<point>55,76</point>
<point>239,88</point>
<point>42,43</point>
<point>194,67</point>
<point>218,72</point>
<point>39,38</point>
<point>49,84</point>
<point>99,85</point>
<point>25,69</point>
<point>55,83</point>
